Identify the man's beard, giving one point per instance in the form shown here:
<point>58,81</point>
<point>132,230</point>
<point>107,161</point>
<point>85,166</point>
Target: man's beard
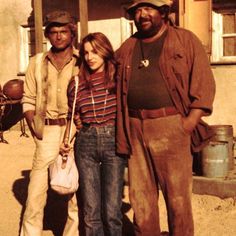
<point>149,32</point>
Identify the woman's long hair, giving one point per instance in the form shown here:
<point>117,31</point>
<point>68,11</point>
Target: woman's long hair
<point>103,48</point>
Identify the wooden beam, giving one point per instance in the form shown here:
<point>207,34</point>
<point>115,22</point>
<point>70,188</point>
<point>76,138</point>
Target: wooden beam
<point>83,12</point>
<point>38,25</point>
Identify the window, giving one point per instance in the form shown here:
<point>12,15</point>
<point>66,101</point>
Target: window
<point>27,46</point>
<point>229,34</point>
<point>127,25</point>
<point>224,31</point>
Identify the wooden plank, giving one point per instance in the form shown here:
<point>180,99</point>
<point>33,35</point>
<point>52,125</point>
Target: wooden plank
<point>83,12</point>
<point>38,24</point>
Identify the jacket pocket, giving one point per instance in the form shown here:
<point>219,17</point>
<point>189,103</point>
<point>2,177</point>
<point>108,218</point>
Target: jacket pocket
<point>179,68</point>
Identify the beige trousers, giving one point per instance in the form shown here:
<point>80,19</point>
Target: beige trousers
<point>45,153</point>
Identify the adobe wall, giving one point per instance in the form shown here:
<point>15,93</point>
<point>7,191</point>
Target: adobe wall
<point>224,107</point>
<point>12,14</point>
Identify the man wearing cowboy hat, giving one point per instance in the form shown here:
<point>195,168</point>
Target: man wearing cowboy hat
<point>45,107</point>
<point>165,86</point>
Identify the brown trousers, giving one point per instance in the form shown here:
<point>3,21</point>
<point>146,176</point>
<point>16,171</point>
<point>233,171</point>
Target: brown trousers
<point>161,155</point>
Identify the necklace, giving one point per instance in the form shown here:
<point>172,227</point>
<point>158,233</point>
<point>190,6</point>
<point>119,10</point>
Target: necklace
<point>144,62</point>
<point>104,107</point>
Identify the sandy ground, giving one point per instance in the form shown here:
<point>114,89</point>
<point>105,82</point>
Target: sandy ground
<point>212,216</point>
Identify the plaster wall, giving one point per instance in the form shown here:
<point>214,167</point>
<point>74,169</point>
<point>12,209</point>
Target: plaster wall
<point>12,14</point>
<point>224,107</point>
<point>111,28</point>
<point>106,18</point>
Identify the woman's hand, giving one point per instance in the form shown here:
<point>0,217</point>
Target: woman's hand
<point>64,149</point>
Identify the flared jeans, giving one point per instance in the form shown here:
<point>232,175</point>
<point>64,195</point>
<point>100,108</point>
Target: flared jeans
<point>101,180</point>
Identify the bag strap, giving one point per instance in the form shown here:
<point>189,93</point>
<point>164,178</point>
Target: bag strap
<point>74,102</point>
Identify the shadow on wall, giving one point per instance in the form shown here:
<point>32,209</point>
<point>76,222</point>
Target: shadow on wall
<point>55,211</point>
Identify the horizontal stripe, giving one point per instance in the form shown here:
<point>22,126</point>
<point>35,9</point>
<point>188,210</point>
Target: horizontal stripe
<point>99,113</point>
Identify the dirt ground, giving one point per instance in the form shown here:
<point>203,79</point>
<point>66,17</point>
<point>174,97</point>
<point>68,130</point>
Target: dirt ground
<point>212,216</point>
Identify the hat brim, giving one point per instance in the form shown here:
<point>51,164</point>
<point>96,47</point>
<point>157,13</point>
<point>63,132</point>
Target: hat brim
<point>132,7</point>
<point>56,23</point>
<point>52,24</point>
<point>60,17</point>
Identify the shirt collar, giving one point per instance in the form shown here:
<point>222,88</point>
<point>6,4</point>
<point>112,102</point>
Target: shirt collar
<point>48,54</point>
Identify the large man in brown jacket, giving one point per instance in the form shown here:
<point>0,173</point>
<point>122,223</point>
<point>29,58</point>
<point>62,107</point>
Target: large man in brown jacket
<point>165,86</point>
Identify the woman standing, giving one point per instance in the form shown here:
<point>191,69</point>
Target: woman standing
<point>101,170</point>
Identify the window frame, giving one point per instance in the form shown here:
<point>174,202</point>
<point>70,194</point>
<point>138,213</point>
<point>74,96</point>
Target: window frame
<point>218,37</point>
<point>25,43</point>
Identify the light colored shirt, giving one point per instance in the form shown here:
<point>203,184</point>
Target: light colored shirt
<point>57,104</point>
<point>55,86</point>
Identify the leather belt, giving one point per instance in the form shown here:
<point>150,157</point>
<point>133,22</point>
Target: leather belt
<point>60,121</point>
<point>143,114</point>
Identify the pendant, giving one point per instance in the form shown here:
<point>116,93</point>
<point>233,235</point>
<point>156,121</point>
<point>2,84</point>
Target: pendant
<point>144,63</point>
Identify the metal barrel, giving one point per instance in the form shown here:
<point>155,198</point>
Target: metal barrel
<point>225,133</point>
<point>215,159</point>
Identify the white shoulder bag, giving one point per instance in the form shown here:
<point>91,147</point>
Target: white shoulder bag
<point>64,176</point>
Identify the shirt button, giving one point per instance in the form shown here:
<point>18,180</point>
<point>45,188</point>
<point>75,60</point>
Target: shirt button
<point>59,90</point>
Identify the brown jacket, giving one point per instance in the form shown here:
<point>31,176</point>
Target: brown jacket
<point>186,71</point>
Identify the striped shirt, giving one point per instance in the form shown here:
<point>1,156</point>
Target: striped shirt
<point>95,106</point>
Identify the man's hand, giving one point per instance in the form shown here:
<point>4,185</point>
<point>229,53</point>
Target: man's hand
<point>191,121</point>
<point>29,116</point>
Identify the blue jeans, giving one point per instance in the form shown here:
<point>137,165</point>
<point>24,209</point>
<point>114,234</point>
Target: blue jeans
<point>101,180</point>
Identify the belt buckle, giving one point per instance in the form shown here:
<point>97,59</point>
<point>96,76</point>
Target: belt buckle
<point>47,122</point>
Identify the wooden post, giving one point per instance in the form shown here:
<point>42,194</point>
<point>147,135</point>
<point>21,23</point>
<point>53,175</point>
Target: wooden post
<point>38,25</point>
<point>83,12</point>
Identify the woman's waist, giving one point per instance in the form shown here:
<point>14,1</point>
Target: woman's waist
<point>98,129</point>
<point>103,125</point>
<point>98,121</point>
